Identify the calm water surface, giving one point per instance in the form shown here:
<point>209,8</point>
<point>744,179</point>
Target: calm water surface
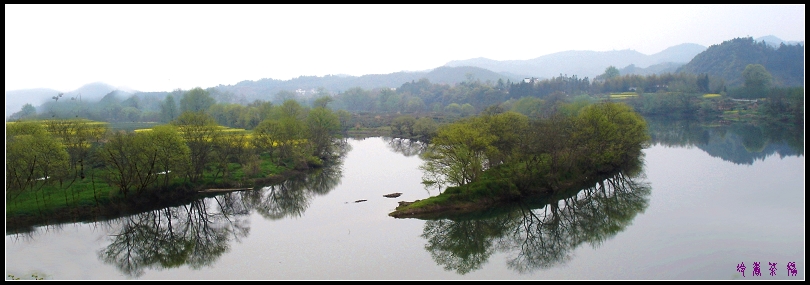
<point>688,215</point>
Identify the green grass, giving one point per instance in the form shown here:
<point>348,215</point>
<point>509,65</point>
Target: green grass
<point>91,191</point>
<point>53,198</point>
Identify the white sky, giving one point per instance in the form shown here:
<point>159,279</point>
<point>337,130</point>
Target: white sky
<point>165,47</point>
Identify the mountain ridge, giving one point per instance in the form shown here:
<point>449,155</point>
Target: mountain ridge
<point>582,63</point>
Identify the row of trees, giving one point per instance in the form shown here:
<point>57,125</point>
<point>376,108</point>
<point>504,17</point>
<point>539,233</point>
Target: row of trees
<point>535,154</point>
<point>464,99</point>
<point>192,147</point>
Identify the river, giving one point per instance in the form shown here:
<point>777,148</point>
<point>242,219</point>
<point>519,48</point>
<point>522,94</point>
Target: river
<point>708,202</point>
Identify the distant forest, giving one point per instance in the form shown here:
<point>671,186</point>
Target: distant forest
<point>460,91</point>
<point>729,59</point>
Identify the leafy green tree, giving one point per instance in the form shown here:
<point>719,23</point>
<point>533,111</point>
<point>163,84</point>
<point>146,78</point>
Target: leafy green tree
<point>34,158</point>
<point>28,111</point>
<point>757,79</point>
<point>607,135</point>
<point>322,124</point>
<point>78,136</point>
<point>545,150</point>
<point>172,154</point>
<point>290,140</point>
<point>130,114</point>
<point>453,108</point>
<point>610,73</point>
<point>168,109</point>
<point>467,110</point>
<point>703,82</point>
<point>266,135</point>
<point>322,101</point>
<point>124,160</point>
<point>230,147</point>
<point>356,99</point>
<point>403,125</point>
<point>458,153</point>
<point>425,128</point>
<point>389,100</point>
<point>508,129</point>
<point>345,118</point>
<point>291,109</point>
<point>196,100</point>
<point>414,104</point>
<point>199,130</point>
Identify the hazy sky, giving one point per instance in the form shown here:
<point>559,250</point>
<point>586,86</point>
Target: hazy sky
<point>166,47</point>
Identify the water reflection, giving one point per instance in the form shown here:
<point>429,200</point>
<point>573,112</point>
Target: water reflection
<point>406,147</point>
<point>198,233</point>
<point>737,142</point>
<point>193,235</point>
<point>539,234</point>
<point>292,197</point>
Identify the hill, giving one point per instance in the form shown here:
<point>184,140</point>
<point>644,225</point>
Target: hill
<point>264,88</point>
<point>16,99</point>
<point>728,60</point>
<point>584,63</point>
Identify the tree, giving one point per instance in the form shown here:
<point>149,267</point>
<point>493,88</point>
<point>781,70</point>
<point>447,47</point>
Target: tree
<point>453,108</point>
<point>507,128</point>
<point>265,136</point>
<point>199,130</point>
<point>136,161</point>
<point>168,109</point>
<point>322,101</point>
<point>78,137</point>
<point>414,104</point>
<point>389,100</point>
<point>467,110</point>
<point>33,158</point>
<point>345,119</point>
<point>173,155</point>
<point>607,135</point>
<point>322,123</point>
<point>703,82</point>
<point>28,111</point>
<point>356,99</point>
<point>610,73</point>
<point>196,100</point>
<point>757,78</point>
<point>130,114</point>
<point>424,128</point>
<point>458,153</point>
<point>120,156</point>
<point>230,147</point>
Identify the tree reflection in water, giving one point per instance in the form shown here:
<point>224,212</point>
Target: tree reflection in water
<point>539,235</point>
<point>192,235</point>
<point>197,234</point>
<point>406,147</point>
<point>292,197</point>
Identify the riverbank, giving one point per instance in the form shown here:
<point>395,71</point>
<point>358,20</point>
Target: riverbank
<point>115,208</point>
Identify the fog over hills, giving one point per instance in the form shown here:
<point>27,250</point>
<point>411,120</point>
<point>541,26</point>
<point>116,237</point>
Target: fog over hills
<point>580,63</point>
<point>16,99</point>
<point>584,63</point>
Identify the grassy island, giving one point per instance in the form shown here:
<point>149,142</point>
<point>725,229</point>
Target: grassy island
<point>500,157</point>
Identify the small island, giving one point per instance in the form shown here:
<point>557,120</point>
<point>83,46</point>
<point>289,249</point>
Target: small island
<point>502,157</point>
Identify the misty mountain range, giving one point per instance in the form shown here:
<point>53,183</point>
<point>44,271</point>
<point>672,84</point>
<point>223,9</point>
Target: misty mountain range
<point>581,63</point>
